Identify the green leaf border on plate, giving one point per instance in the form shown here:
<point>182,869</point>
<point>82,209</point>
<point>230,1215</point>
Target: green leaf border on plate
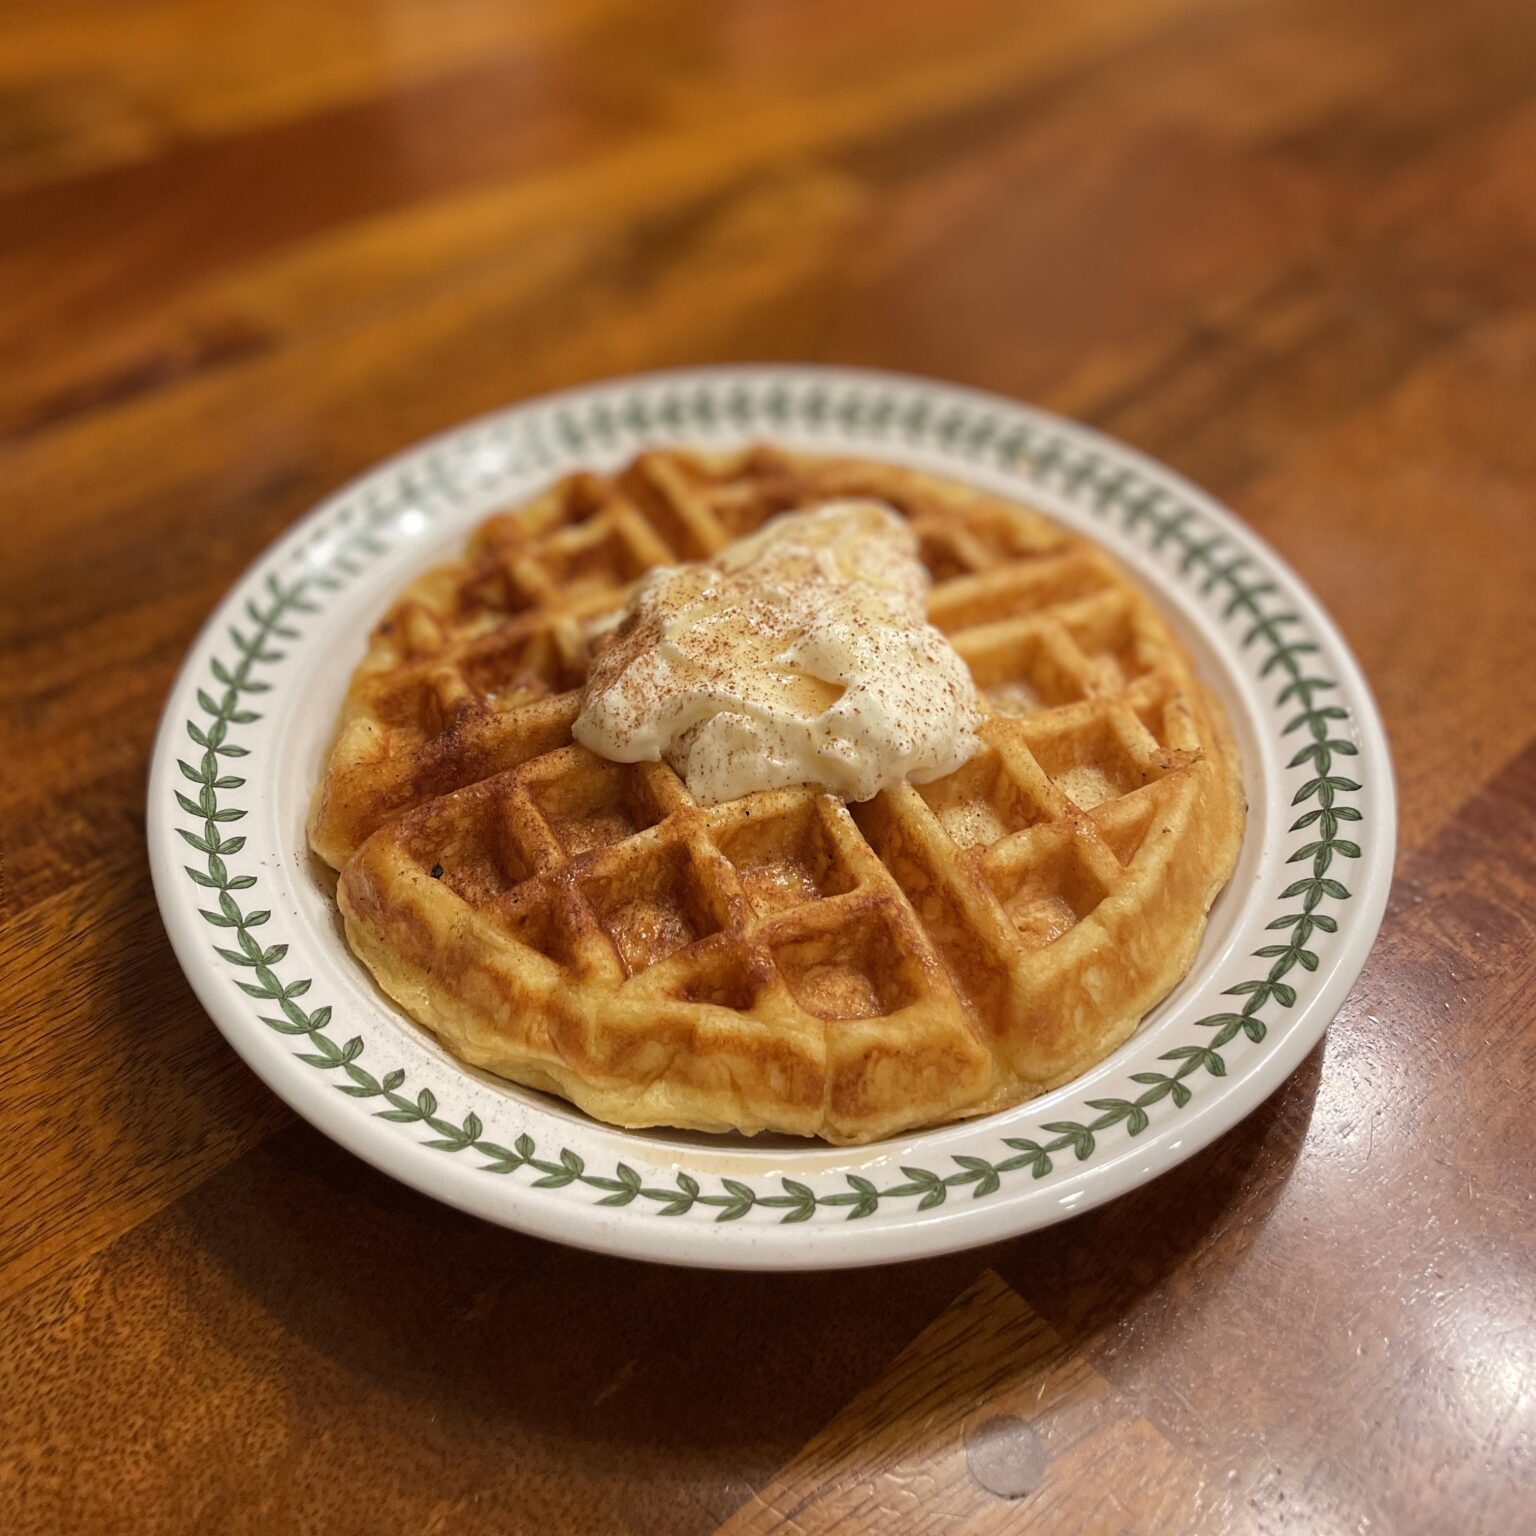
<point>1317,732</point>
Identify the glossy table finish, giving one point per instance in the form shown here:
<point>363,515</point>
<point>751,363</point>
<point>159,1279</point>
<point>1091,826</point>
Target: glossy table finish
<point>247,249</point>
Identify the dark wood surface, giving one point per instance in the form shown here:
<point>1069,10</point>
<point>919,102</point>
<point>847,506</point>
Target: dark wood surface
<point>248,248</point>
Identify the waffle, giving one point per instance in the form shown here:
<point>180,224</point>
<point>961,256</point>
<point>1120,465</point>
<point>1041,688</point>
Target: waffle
<point>784,961</point>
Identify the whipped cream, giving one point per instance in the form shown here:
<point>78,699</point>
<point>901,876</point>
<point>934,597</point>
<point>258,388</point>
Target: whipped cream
<point>798,655</point>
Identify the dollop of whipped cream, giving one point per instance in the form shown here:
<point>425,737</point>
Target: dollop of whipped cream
<point>798,655</point>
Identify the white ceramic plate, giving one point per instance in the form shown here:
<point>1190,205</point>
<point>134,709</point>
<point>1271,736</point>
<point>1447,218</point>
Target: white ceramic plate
<point>253,922</point>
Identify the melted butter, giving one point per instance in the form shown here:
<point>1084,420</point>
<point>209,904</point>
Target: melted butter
<point>799,655</point>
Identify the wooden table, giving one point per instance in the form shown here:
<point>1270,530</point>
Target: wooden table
<point>246,249</point>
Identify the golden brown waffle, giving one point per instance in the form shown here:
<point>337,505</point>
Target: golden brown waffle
<point>782,961</point>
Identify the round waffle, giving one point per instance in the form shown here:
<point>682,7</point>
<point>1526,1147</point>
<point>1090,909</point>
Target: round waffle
<point>783,961</point>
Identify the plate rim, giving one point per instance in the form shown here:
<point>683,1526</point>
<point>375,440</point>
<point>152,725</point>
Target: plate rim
<point>817,1244</point>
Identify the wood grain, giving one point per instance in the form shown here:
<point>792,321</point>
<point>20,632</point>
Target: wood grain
<point>247,249</point>
<point>899,1456</point>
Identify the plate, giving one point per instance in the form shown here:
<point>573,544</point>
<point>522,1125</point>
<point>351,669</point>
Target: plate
<point>252,916</point>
